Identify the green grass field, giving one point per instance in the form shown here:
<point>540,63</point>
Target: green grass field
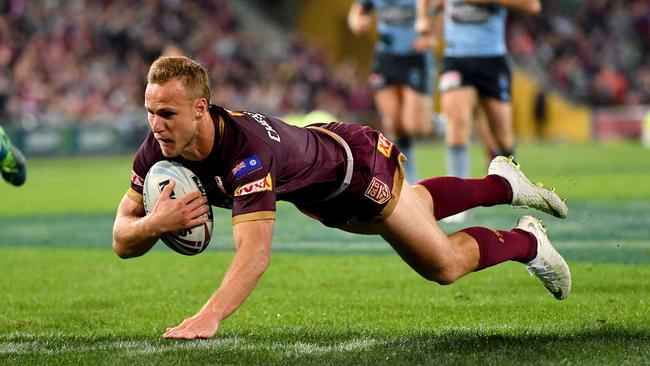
<point>329,297</point>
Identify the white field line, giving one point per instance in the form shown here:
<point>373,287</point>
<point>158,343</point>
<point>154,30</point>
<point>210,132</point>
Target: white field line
<point>149,347</point>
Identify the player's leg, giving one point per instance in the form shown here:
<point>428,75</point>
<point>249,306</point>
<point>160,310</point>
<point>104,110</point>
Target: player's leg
<point>416,112</point>
<point>485,134</point>
<point>458,105</point>
<point>389,101</point>
<point>499,116</point>
<point>416,121</point>
<point>416,237</point>
<point>13,166</point>
<point>493,82</point>
<point>504,184</point>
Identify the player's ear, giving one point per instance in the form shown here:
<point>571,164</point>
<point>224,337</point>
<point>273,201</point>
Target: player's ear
<point>200,107</point>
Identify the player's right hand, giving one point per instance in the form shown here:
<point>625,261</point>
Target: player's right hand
<point>173,214</point>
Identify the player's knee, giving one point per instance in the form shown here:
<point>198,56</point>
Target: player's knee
<point>418,128</point>
<point>441,275</point>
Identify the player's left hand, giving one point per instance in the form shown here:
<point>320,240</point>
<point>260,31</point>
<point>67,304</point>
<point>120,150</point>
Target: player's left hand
<point>201,325</point>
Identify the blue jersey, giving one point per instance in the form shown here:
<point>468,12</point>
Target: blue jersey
<point>474,30</point>
<point>395,24</point>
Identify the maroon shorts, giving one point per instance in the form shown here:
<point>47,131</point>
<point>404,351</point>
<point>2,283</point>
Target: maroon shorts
<point>376,182</point>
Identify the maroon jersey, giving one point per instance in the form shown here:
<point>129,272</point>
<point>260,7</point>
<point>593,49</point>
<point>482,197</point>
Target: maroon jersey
<point>257,160</point>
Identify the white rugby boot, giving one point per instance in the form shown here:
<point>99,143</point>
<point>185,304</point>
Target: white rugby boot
<point>548,265</point>
<point>524,192</point>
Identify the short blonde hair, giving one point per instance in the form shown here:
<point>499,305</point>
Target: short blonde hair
<point>191,73</point>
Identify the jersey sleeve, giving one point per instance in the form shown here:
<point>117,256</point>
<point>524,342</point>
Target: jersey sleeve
<point>253,186</point>
<point>147,155</point>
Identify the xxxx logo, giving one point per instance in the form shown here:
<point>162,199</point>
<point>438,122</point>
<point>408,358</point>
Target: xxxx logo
<point>259,185</point>
<point>384,145</point>
<point>378,191</point>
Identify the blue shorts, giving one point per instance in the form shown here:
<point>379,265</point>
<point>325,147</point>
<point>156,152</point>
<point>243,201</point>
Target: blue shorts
<point>414,70</point>
<point>491,76</point>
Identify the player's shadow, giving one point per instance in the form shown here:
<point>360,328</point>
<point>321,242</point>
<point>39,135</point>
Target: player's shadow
<point>594,344</point>
<point>600,344</point>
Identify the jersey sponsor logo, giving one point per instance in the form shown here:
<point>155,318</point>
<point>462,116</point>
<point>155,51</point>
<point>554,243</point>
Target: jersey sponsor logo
<point>260,185</point>
<point>471,13</point>
<point>397,15</point>
<point>384,145</point>
<point>450,80</point>
<point>261,119</point>
<point>378,191</point>
<point>250,164</point>
<point>136,180</point>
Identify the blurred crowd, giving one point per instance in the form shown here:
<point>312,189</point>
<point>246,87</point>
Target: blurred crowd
<point>68,62</point>
<point>595,51</point>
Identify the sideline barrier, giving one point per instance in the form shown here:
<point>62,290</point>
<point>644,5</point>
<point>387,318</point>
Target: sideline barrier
<point>86,140</point>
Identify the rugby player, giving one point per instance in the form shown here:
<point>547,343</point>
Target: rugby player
<point>347,176</point>
<point>402,72</point>
<point>476,72</point>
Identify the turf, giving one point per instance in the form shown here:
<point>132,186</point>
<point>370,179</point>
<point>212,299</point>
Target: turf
<point>329,297</point>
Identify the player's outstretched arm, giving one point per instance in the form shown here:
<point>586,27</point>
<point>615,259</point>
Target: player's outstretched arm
<point>253,240</point>
<point>134,233</point>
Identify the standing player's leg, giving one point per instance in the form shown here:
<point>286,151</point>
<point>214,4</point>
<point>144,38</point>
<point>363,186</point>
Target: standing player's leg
<point>459,105</point>
<point>499,116</point>
<point>493,83</point>
<point>486,136</point>
<point>389,101</point>
<point>13,166</point>
<point>416,121</point>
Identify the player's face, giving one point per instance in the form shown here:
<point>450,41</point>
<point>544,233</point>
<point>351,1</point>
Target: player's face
<point>171,116</point>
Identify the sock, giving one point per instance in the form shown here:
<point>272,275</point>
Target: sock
<point>457,160</point>
<point>452,195</point>
<point>505,152</point>
<point>405,145</point>
<point>497,246</point>
<point>491,153</point>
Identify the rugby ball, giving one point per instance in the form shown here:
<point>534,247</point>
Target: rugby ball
<point>189,241</point>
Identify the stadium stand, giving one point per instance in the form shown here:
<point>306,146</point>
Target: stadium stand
<point>65,63</point>
<point>82,62</point>
<point>594,52</point>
